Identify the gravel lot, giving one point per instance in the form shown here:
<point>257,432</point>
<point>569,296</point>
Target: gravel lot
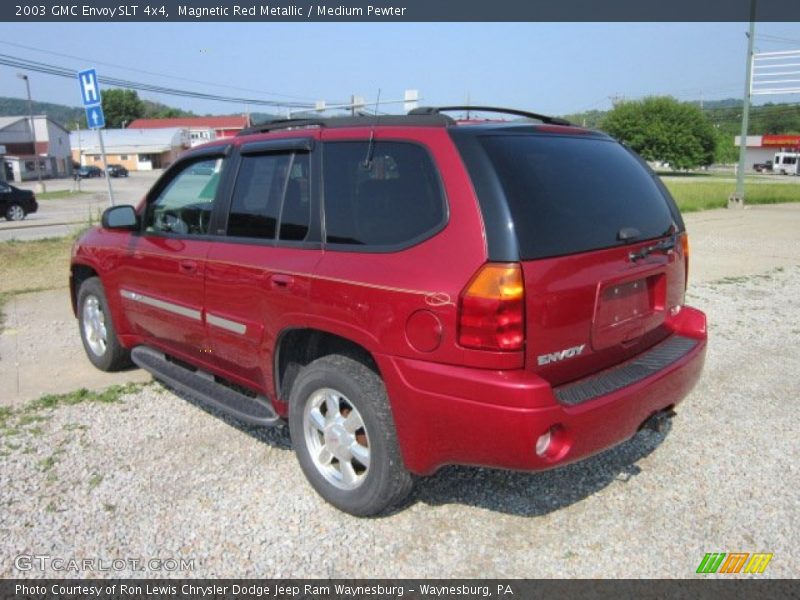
<point>157,476</point>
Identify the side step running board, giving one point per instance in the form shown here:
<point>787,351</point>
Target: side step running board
<point>201,385</point>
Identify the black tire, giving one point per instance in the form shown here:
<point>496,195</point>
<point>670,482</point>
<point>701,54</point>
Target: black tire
<point>15,212</point>
<point>114,357</point>
<point>385,482</point>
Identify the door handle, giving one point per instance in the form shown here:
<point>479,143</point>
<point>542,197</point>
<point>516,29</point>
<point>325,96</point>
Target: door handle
<point>281,281</point>
<point>188,266</point>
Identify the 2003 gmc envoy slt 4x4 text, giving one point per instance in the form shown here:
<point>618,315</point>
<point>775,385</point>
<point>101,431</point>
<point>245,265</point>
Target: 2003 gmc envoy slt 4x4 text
<point>408,291</point>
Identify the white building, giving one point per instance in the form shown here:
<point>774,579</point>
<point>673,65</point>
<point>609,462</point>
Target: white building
<point>135,149</point>
<point>52,148</point>
<point>761,148</point>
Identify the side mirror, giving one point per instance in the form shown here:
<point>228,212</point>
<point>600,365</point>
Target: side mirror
<point>119,217</point>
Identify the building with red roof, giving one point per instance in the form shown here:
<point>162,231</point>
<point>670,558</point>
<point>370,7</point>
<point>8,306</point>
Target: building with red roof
<point>201,129</point>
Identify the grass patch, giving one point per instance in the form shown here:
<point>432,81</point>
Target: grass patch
<point>5,413</point>
<point>47,463</point>
<point>59,194</point>
<point>106,396</point>
<point>27,419</point>
<point>95,480</point>
<point>13,420</point>
<point>702,194</point>
<point>34,265</point>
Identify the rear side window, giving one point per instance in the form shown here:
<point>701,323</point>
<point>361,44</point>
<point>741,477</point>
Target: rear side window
<point>394,200</point>
<point>271,189</point>
<point>570,194</point>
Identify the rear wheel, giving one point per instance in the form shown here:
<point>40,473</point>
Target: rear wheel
<point>15,212</point>
<point>98,334</point>
<point>343,433</point>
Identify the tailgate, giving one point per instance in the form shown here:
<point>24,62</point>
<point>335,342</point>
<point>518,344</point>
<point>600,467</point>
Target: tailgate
<point>590,311</point>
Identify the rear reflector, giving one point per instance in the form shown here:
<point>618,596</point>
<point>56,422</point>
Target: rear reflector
<point>492,309</point>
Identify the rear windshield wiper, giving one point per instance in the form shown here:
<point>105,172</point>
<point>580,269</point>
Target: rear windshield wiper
<point>665,246</point>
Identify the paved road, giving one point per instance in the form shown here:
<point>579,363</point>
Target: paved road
<point>62,216</point>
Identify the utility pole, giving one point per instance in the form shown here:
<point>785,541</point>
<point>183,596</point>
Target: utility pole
<point>106,176</point>
<point>736,200</point>
<point>33,131</point>
<point>80,157</point>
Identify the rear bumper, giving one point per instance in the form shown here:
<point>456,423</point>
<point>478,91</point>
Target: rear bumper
<point>446,414</point>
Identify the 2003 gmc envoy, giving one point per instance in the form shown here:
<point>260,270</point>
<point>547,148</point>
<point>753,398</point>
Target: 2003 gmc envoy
<point>408,291</point>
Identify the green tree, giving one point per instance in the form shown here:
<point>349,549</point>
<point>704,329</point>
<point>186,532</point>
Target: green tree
<point>121,107</point>
<point>661,128</point>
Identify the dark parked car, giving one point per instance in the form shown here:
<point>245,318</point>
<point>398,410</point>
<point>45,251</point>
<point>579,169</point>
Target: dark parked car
<point>86,172</point>
<point>763,167</point>
<point>16,204</point>
<point>116,171</point>
<point>409,292</point>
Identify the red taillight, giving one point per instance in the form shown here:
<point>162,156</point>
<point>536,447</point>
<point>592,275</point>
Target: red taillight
<point>491,312</point>
<point>685,248</point>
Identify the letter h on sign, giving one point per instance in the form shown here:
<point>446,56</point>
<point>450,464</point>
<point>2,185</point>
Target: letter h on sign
<point>89,88</point>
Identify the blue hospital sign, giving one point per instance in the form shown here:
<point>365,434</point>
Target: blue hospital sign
<point>90,89</point>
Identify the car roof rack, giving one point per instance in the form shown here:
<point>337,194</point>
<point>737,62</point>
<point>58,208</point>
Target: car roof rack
<point>420,120</point>
<point>274,124</point>
<point>435,110</point>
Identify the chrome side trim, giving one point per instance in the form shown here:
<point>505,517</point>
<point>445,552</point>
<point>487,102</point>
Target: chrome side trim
<point>189,313</point>
<point>223,323</point>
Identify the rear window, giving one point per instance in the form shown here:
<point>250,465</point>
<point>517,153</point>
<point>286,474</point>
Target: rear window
<point>570,194</point>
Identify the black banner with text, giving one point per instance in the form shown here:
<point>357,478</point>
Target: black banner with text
<point>398,10</point>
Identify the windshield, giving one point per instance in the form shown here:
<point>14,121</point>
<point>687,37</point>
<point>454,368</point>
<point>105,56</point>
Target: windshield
<point>570,194</point>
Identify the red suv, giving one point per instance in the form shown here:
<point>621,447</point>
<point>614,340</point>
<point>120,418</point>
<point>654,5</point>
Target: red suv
<point>407,291</point>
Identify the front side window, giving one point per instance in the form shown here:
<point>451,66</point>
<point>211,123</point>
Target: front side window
<point>385,197</point>
<point>184,205</point>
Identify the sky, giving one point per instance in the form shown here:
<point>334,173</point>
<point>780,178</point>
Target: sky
<point>552,68</point>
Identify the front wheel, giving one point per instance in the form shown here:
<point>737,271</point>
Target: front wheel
<point>343,433</point>
<point>98,334</point>
<point>15,213</point>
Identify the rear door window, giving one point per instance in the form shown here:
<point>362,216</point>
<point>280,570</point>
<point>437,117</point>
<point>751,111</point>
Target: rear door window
<point>388,198</point>
<point>271,192</point>
<point>570,194</point>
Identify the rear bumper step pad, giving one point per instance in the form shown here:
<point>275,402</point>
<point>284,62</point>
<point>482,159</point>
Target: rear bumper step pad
<point>646,364</point>
<point>201,385</point>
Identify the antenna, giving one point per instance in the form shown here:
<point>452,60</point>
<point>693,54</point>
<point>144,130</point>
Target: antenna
<point>371,146</point>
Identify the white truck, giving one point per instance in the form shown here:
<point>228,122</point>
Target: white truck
<point>785,163</point>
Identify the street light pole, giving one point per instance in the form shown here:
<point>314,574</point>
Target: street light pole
<point>33,130</point>
<point>736,200</point>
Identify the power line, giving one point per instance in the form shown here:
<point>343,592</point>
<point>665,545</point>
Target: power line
<point>49,69</point>
<point>133,69</point>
